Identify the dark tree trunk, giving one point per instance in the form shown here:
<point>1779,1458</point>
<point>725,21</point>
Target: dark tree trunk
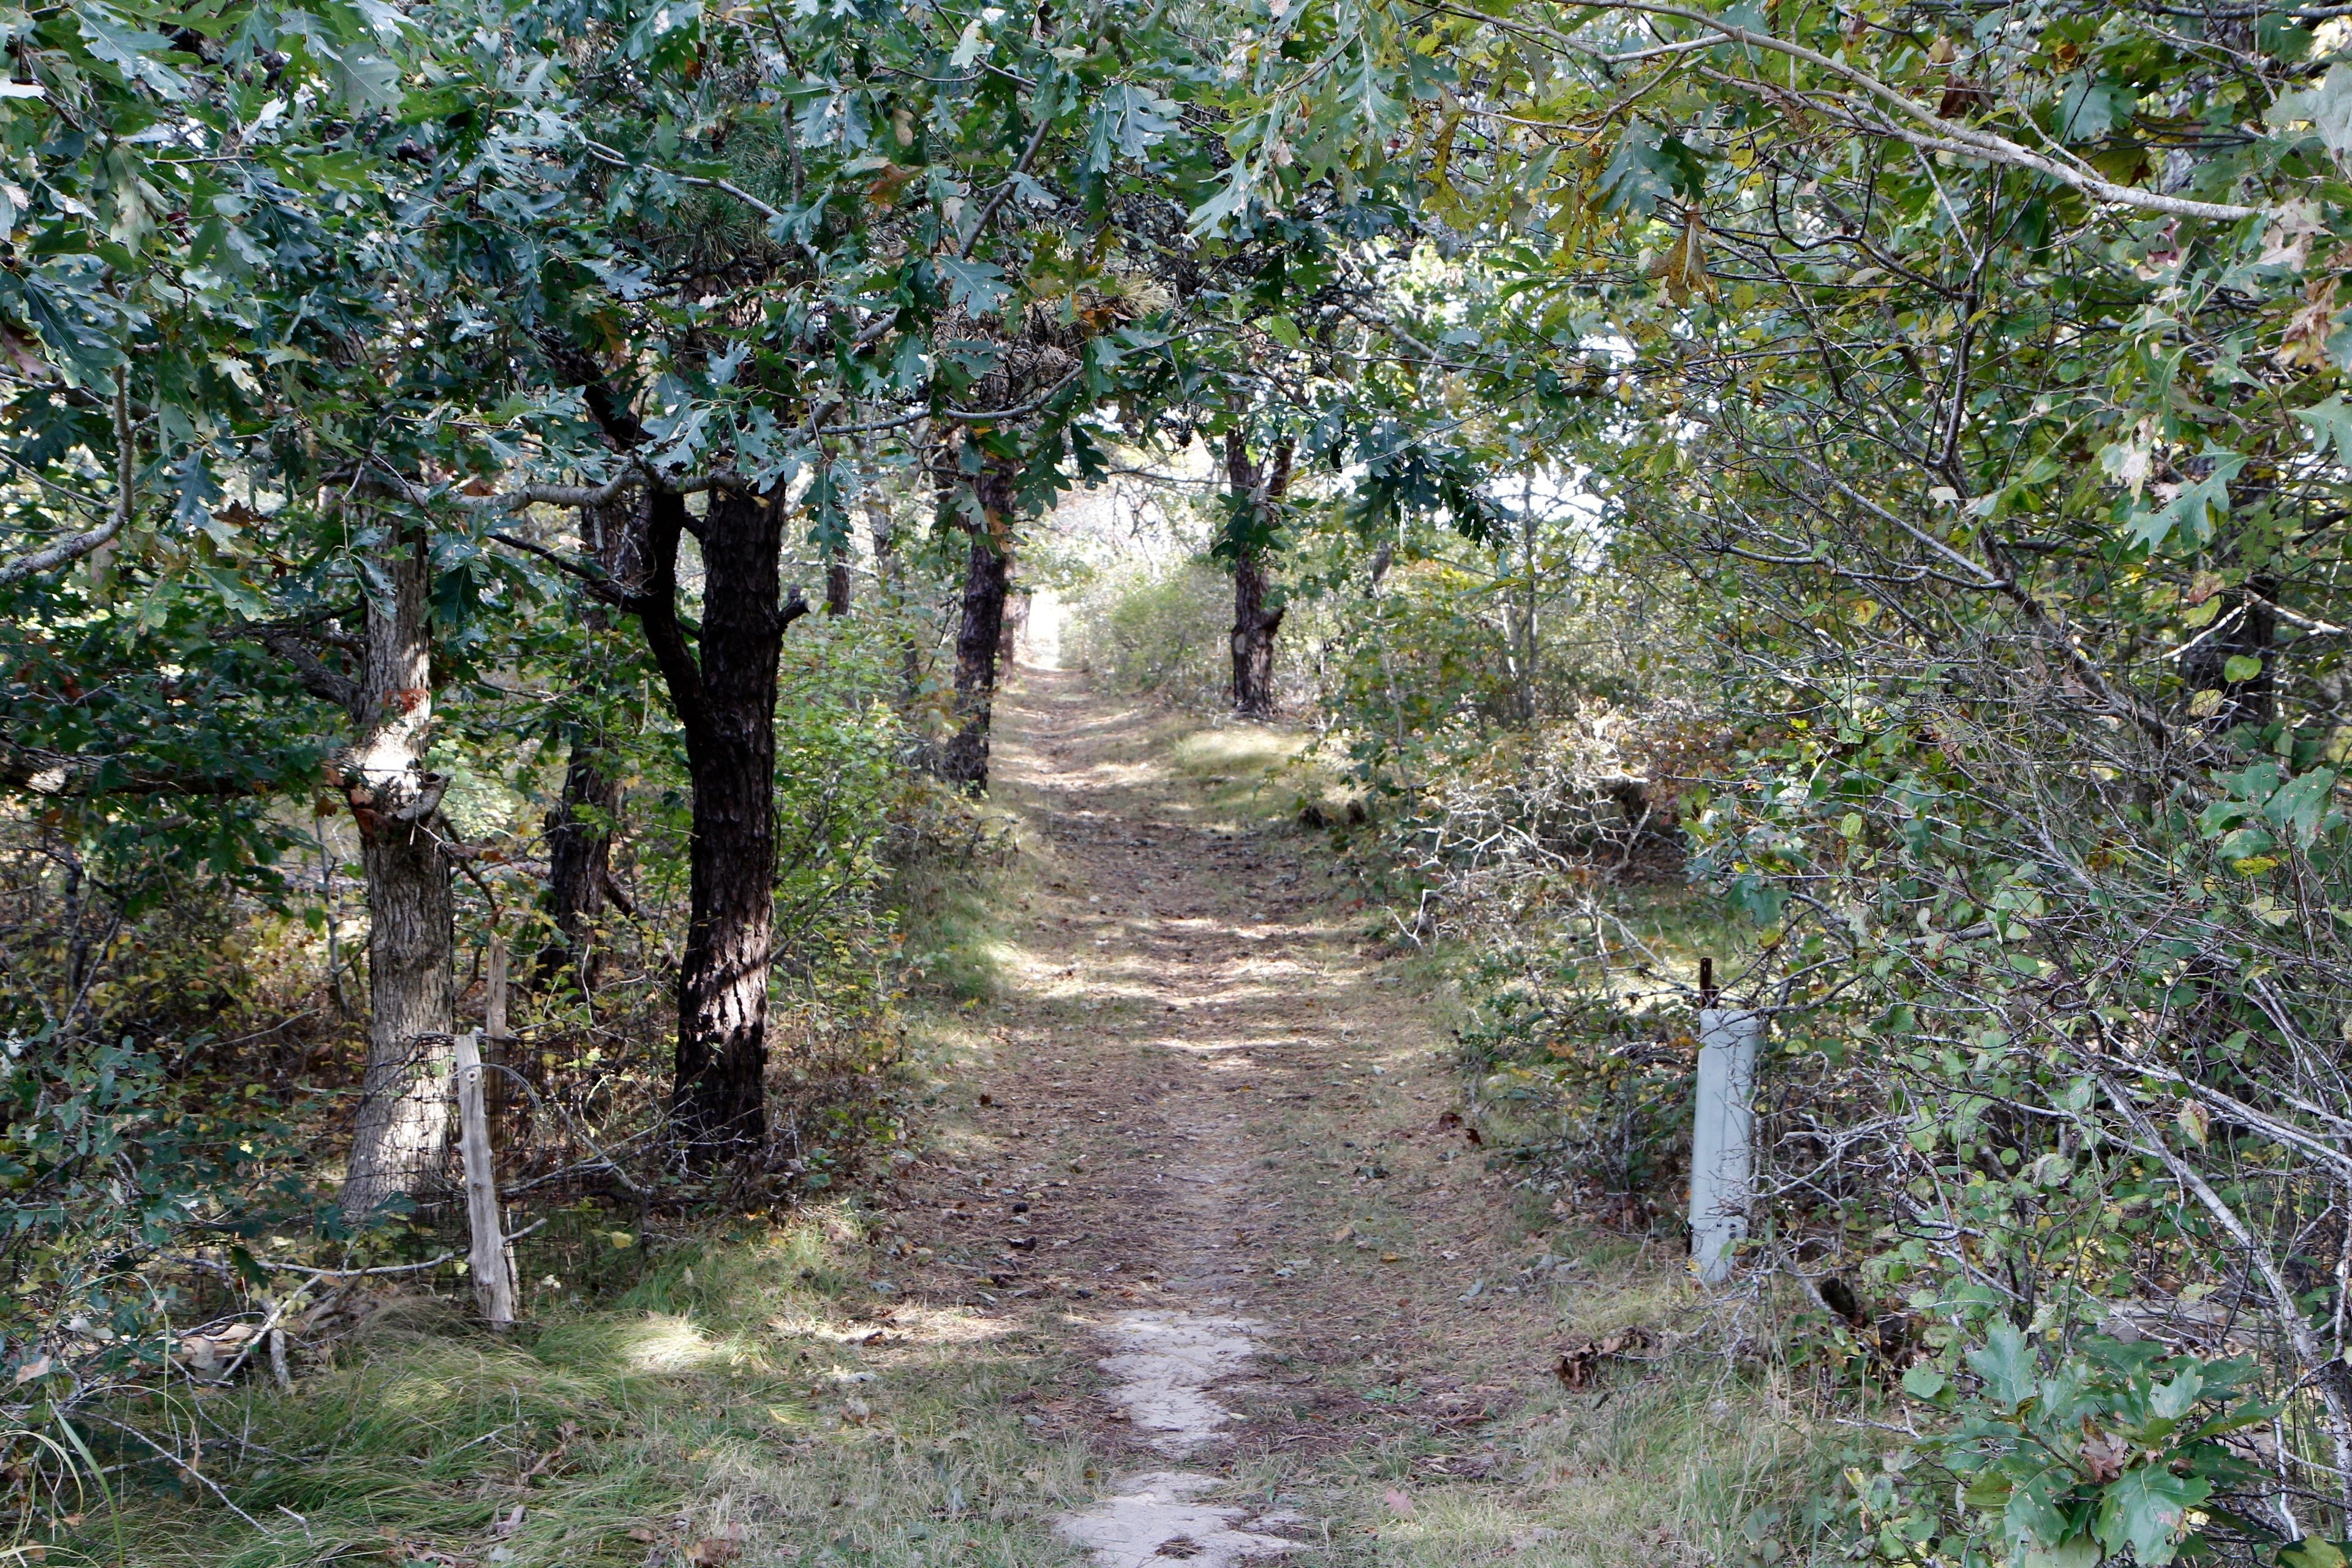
<point>988,574</point>
<point>1257,611</point>
<point>1254,628</point>
<point>964,759</point>
<point>404,1118</point>
<point>723,690</point>
<point>580,828</point>
<point>2253,634</point>
<point>579,862</point>
<point>725,696</point>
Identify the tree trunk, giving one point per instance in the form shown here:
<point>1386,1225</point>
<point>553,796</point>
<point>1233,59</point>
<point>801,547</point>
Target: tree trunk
<point>1015,621</point>
<point>2250,635</point>
<point>964,762</point>
<point>725,697</point>
<point>580,828</point>
<point>1256,620</point>
<point>836,581</point>
<point>1254,628</point>
<point>579,862</point>
<point>404,1119</point>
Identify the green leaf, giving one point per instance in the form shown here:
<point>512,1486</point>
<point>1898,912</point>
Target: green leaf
<point>2091,109</point>
<point>2300,804</point>
<point>2331,426</point>
<point>366,81</point>
<point>2177,1398</point>
<point>127,50</point>
<point>2006,1365</point>
<point>2080,1553</point>
<point>978,287</point>
<point>2196,510</point>
<point>2240,668</point>
<point>1923,1382</point>
<point>194,492</point>
<point>1128,123</point>
<point>2313,1552</point>
<point>1284,330</point>
<point>2147,1511</point>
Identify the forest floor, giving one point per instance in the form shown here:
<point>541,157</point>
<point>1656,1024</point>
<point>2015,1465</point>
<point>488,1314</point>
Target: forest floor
<point>1193,1256</point>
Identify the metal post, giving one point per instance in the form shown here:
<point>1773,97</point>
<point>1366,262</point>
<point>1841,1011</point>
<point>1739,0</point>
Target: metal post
<point>1723,1155</point>
<point>485,1254</point>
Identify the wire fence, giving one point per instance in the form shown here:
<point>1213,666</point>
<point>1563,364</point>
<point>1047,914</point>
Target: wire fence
<point>567,1165</point>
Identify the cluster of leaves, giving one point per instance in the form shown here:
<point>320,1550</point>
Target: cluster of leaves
<point>2116,1448</point>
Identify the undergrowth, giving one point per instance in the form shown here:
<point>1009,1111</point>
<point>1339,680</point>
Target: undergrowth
<point>749,1397</point>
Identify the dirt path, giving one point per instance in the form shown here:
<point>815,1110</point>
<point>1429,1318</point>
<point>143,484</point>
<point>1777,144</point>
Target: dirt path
<point>1216,1138</point>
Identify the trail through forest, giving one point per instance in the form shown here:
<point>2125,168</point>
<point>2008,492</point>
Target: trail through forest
<point>1215,1138</point>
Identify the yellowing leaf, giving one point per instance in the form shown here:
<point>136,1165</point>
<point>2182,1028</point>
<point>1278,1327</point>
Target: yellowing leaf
<point>1683,270</point>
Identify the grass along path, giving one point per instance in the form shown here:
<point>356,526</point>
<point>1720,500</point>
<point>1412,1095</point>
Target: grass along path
<point>1193,1261</point>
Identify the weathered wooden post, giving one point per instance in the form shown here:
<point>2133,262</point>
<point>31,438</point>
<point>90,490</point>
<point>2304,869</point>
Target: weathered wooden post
<point>1723,1130</point>
<point>485,1254</point>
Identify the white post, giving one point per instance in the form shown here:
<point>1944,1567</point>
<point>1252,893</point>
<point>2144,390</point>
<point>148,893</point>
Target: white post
<point>1723,1153</point>
<point>485,1256</point>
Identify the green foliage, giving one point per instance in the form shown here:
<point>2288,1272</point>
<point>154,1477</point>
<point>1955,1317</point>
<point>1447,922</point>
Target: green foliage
<point>2116,1448</point>
<point>1161,633</point>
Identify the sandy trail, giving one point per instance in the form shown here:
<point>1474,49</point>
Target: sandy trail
<point>1213,1138</point>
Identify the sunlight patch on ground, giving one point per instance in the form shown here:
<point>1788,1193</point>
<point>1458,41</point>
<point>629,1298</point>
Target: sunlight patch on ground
<point>667,1344</point>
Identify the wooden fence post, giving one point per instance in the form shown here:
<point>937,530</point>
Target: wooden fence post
<point>485,1254</point>
<point>1723,1133</point>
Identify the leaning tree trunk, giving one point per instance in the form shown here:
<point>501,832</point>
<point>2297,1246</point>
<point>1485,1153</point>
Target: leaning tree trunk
<point>1256,620</point>
<point>404,1118</point>
<point>988,574</point>
<point>725,696</point>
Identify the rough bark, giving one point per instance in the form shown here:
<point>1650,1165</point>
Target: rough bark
<point>1257,612</point>
<point>404,1119</point>
<point>722,687</point>
<point>1254,626</point>
<point>963,760</point>
<point>724,693</point>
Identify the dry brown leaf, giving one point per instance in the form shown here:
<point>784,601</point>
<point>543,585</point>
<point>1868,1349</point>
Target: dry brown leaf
<point>712,1549</point>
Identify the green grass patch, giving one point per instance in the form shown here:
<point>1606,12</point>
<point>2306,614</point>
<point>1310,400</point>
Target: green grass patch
<point>950,901</point>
